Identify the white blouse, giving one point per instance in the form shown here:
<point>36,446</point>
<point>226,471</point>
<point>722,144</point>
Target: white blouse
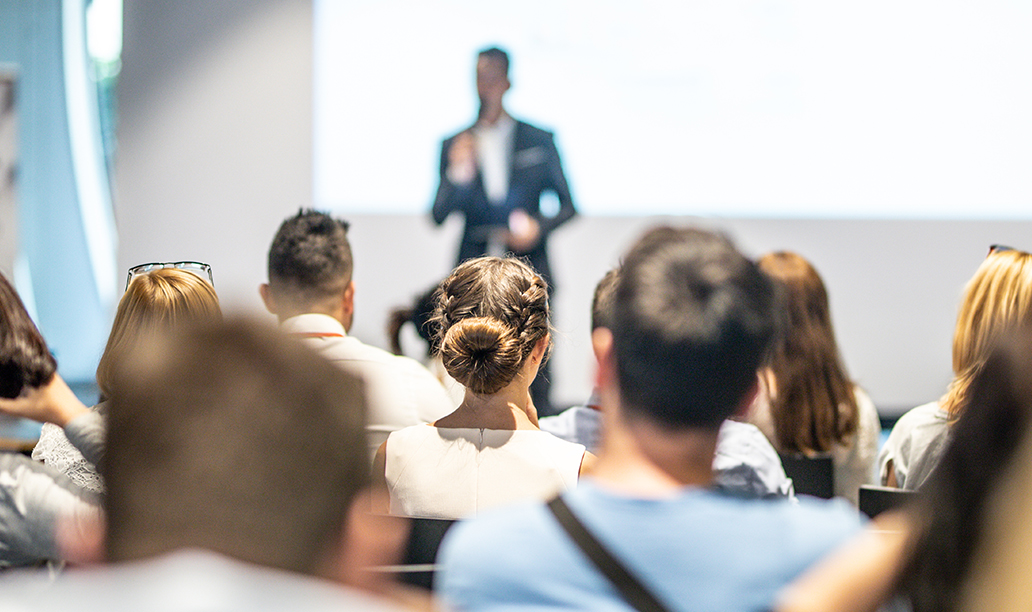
<point>457,472</point>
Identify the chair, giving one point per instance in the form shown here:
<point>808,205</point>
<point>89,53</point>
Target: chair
<point>811,475</point>
<point>421,551</point>
<point>875,500</point>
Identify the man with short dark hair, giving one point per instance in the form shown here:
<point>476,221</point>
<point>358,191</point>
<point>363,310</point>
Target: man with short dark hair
<point>745,463</point>
<point>237,479</point>
<point>691,321</point>
<point>311,292</point>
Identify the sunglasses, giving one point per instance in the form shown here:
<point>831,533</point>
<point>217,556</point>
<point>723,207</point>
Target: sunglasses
<point>200,269</point>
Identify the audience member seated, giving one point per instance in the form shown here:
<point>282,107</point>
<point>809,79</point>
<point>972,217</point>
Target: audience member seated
<point>807,404</point>
<point>311,293</point>
<point>692,319</point>
<point>997,297</point>
<point>34,499</point>
<point>155,297</point>
<point>965,541</point>
<point>745,462</point>
<point>237,480</point>
<point>493,322</point>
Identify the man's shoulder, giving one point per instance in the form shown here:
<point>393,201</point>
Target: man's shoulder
<point>532,133</point>
<point>500,548</point>
<point>697,541</point>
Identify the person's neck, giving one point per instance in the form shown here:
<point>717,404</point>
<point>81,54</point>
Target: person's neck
<point>336,314</point>
<point>491,115</point>
<point>641,458</point>
<point>508,408</point>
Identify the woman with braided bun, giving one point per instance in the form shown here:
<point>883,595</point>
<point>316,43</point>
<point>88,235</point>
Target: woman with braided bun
<point>493,328</point>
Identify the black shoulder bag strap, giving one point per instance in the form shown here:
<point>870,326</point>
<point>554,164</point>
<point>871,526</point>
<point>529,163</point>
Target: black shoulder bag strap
<point>630,588</point>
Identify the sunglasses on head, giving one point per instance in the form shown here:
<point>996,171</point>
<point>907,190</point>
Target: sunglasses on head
<point>202,270</point>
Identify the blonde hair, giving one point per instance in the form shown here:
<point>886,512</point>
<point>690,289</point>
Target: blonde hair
<point>157,300</point>
<point>999,296</point>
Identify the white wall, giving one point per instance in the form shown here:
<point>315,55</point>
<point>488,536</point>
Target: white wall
<point>214,129</point>
<point>215,150</point>
<point>894,285</point>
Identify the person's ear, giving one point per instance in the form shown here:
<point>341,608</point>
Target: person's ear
<point>602,343</point>
<point>267,299</point>
<point>540,348</point>
<point>745,404</point>
<point>348,304</point>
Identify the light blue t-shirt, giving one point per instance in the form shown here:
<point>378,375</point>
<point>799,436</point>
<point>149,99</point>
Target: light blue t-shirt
<point>697,550</point>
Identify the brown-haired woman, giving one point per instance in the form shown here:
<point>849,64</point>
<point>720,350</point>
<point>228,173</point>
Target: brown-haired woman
<point>25,360</point>
<point>808,404</point>
<point>494,334</point>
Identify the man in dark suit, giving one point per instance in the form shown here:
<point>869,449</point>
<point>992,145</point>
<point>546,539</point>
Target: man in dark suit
<point>495,172</point>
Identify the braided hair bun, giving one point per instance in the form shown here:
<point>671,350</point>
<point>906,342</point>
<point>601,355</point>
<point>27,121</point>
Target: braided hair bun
<point>490,312</point>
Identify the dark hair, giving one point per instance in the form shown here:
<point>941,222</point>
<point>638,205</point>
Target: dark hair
<point>692,319</point>
<point>232,438</point>
<point>952,504</point>
<point>310,257</point>
<point>813,406</point>
<point>497,55</point>
<point>490,314</point>
<point>602,301</point>
<point>25,360</point>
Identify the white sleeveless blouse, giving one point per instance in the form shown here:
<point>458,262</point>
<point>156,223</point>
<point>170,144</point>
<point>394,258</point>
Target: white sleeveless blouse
<point>456,472</point>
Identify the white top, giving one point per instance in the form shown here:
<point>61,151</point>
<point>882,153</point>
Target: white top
<point>494,148</point>
<point>915,445</point>
<point>54,449</point>
<point>745,463</point>
<point>580,424</point>
<point>855,462</point>
<point>457,472</point>
<point>400,391</point>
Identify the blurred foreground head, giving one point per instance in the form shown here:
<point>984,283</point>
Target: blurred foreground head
<point>233,438</point>
<point>973,511</point>
<point>692,318</point>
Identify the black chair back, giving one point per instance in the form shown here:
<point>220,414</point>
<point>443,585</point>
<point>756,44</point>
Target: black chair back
<point>421,552</point>
<point>811,475</point>
<point>875,500</point>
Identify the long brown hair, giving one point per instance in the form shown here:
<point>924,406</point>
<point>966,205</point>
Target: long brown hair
<point>813,406</point>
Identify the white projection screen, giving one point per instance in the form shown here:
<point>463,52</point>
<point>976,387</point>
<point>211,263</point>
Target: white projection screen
<point>756,108</point>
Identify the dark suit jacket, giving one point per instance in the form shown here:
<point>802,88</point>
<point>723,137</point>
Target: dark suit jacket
<point>534,169</point>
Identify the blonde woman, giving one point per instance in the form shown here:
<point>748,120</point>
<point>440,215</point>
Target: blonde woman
<point>155,299</point>
<point>998,297</point>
